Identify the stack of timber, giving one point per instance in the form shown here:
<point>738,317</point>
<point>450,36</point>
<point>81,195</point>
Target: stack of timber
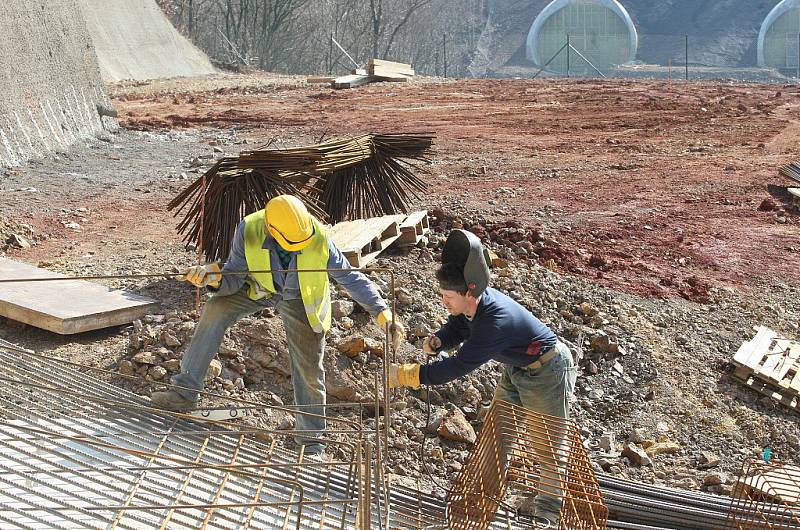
<point>377,70</point>
<point>362,240</point>
<point>770,364</point>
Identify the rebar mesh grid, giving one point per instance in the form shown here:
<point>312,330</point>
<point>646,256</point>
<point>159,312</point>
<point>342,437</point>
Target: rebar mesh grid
<point>766,496</point>
<point>76,452</point>
<point>535,454</point>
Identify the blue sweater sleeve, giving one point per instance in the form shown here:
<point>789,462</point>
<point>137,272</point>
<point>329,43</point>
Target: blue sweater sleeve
<point>453,332</point>
<point>360,288</point>
<point>480,348</point>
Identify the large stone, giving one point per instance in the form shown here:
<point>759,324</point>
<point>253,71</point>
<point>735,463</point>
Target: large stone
<point>352,346</point>
<point>661,448</point>
<point>126,367</point>
<point>636,455</point>
<point>146,357</point>
<point>172,365</point>
<point>214,369</point>
<point>342,308</point>
<point>455,427</point>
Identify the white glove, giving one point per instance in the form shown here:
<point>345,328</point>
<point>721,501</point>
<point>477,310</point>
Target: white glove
<point>203,275</point>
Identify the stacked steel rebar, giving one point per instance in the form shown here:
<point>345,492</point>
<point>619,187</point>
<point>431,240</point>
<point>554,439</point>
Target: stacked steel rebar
<point>365,176</point>
<point>791,170</point>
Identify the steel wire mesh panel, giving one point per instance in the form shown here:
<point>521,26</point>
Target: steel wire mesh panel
<point>533,454</point>
<point>79,453</point>
<point>766,496</point>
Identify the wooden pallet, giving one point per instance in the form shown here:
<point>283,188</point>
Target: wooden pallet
<point>770,364</point>
<point>363,239</point>
<point>413,227</point>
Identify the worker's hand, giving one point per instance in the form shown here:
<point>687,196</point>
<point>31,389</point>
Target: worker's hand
<point>404,375</point>
<point>397,330</point>
<point>431,345</point>
<point>203,275</point>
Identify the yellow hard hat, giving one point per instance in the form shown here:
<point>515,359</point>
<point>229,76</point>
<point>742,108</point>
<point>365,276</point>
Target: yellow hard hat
<point>289,222</point>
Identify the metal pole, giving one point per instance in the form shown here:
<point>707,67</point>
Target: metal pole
<point>579,54</point>
<point>444,52</point>
<point>568,48</point>
<point>345,52</point>
<point>798,56</point>
<point>686,63</point>
<point>548,62</point>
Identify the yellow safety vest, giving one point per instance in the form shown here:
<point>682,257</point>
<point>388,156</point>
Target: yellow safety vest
<point>314,287</point>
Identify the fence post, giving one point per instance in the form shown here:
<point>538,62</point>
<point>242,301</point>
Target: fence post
<point>444,52</point>
<point>568,48</point>
<point>687,57</point>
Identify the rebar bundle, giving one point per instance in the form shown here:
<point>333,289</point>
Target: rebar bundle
<point>791,170</point>
<point>365,176</point>
<point>537,455</point>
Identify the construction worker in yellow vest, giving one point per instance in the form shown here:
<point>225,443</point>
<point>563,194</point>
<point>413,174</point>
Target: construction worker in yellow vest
<point>282,236</point>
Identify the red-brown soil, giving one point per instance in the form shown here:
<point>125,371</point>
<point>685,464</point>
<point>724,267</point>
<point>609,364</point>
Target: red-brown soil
<point>642,188</point>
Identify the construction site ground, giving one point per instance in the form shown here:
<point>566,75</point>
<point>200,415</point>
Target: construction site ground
<point>661,207</point>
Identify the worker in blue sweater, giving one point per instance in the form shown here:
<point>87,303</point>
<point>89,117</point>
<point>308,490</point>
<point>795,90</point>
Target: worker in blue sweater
<point>538,369</point>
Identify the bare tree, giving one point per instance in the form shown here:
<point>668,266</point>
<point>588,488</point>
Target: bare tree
<point>295,36</point>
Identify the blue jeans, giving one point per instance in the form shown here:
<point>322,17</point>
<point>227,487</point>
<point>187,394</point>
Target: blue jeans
<point>306,350</point>
<point>546,390</point>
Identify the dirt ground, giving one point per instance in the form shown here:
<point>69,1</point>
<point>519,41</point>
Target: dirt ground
<point>644,187</point>
<point>664,210</point>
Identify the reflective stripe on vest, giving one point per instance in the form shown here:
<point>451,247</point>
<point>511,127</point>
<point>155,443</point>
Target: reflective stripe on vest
<point>314,286</point>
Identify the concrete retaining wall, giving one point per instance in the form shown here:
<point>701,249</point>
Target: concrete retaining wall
<point>50,85</point>
<point>135,40</point>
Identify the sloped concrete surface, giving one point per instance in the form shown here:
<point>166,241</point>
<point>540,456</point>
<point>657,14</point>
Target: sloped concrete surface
<point>135,40</point>
<point>50,85</point>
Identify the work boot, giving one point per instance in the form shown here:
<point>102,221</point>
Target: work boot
<point>542,521</point>
<point>171,400</point>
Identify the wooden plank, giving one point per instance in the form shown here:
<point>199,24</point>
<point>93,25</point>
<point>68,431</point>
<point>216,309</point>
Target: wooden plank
<point>791,402</point>
<point>382,71</point>
<point>794,385</point>
<point>776,363</point>
<point>350,81</point>
<point>381,67</point>
<point>394,78</point>
<point>66,307</point>
<point>751,352</point>
<point>413,227</point>
<point>320,80</point>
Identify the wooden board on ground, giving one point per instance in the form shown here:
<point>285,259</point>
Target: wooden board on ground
<point>350,81</point>
<point>383,68</point>
<point>412,227</point>
<point>66,307</point>
<point>363,239</point>
<point>319,80</point>
<point>394,78</point>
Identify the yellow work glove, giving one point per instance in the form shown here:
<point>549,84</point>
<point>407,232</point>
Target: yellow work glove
<point>203,275</point>
<point>404,375</point>
<point>397,329</point>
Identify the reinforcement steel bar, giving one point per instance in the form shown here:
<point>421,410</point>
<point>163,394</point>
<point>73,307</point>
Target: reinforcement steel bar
<point>76,452</point>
